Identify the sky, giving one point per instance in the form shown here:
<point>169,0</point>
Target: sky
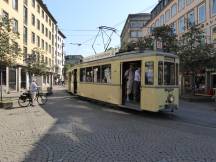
<point>79,21</point>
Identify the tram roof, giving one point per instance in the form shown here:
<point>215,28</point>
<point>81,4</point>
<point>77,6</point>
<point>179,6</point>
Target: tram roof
<point>132,54</point>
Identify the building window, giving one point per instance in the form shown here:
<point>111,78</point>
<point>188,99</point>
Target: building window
<point>173,25</point>
<point>26,2</point>
<point>167,15</point>
<point>136,34</point>
<point>202,13</point>
<point>15,26</point>
<point>213,9</point>
<point>181,25</point>
<point>173,10</point>
<point>149,73</point>
<point>38,8</point>
<point>46,46</point>
<point>15,4</point>
<point>213,35</point>
<point>33,19</point>
<point>25,35</point>
<point>46,32</point>
<point>157,23</point>
<point>42,28</point>
<point>42,42</point>
<point>38,41</point>
<point>181,4</point>
<point>25,52</point>
<point>33,3</point>
<point>162,20</point>
<point>46,18</point>
<point>3,75</point>
<point>191,19</point>
<point>38,24</point>
<point>33,38</point>
<point>189,2</point>
<point>25,15</point>
<point>106,74</point>
<point>42,14</point>
<point>136,24</point>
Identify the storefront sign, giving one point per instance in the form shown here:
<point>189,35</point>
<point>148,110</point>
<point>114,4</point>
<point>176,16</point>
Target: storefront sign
<point>103,55</point>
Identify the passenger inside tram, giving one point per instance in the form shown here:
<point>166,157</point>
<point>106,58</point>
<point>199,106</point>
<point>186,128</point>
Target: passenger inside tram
<point>132,79</point>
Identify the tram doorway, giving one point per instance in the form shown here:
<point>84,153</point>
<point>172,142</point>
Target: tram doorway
<point>131,84</point>
<point>75,81</point>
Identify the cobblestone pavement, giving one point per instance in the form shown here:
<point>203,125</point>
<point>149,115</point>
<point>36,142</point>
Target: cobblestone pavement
<point>68,129</point>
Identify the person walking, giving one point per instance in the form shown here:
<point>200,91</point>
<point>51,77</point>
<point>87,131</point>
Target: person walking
<point>137,80</point>
<point>129,75</point>
<point>33,91</point>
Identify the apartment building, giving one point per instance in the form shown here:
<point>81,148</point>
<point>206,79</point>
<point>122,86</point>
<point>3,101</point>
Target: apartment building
<point>59,55</point>
<point>38,29</point>
<point>178,13</point>
<point>132,30</point>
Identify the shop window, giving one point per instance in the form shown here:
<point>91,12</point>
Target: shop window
<point>106,74</point>
<point>160,73</point>
<point>149,73</point>
<point>169,73</point>
<point>89,74</point>
<point>97,74</point>
<point>82,75</point>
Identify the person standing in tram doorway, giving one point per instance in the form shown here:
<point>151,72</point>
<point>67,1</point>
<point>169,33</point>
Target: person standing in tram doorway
<point>129,75</point>
<point>137,84</point>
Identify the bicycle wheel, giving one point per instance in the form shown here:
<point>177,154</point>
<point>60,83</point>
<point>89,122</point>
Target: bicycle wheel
<point>23,102</point>
<point>42,99</point>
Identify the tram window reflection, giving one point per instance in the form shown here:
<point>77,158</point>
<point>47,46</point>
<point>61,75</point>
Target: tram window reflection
<point>169,73</point>
<point>82,75</point>
<point>106,74</point>
<point>97,76</point>
<point>89,74</point>
<point>160,73</point>
<point>149,73</point>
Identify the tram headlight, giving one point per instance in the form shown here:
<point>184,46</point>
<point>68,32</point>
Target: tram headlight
<point>170,99</point>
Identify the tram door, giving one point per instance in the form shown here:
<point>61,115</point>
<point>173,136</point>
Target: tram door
<point>75,81</point>
<point>131,82</point>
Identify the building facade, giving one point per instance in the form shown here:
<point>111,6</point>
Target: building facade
<point>38,29</point>
<point>59,55</point>
<point>180,13</point>
<point>132,30</point>
<point>73,59</point>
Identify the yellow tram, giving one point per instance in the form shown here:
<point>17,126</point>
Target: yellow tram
<point>105,80</point>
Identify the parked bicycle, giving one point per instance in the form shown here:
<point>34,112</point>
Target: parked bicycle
<point>25,99</point>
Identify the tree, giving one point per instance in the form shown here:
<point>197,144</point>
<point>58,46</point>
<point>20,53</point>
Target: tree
<point>145,43</point>
<point>165,34</point>
<point>195,54</point>
<point>9,48</point>
<point>35,65</point>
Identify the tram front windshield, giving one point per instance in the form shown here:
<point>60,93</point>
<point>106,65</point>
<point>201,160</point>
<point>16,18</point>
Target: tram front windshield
<point>167,73</point>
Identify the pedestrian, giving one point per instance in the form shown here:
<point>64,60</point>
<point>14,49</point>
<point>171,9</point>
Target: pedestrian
<point>137,80</point>
<point>129,75</point>
<point>33,91</point>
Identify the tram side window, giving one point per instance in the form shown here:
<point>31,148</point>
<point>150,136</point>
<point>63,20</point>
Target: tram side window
<point>89,74</point>
<point>149,73</point>
<point>177,74</point>
<point>82,75</point>
<point>160,73</point>
<point>169,73</point>
<point>106,74</point>
<point>97,72</point>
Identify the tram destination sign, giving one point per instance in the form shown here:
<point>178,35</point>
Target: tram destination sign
<point>102,55</point>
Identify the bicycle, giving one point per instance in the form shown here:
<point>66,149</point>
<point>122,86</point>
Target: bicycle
<point>25,99</point>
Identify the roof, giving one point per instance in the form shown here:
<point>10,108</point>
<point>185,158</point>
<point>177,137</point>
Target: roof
<point>60,32</point>
<point>45,8</point>
<point>133,54</point>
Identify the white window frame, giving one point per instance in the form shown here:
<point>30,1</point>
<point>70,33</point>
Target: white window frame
<point>199,13</point>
